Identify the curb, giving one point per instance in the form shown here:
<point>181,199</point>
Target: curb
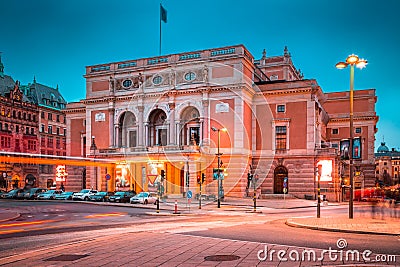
<point>319,228</point>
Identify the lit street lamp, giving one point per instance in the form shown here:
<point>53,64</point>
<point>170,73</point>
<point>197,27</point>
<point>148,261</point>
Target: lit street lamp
<point>351,60</point>
<point>219,180</point>
<point>93,149</point>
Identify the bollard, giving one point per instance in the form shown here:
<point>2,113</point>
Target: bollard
<point>176,207</point>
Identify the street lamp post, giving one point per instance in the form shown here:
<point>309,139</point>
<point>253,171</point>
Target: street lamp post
<point>351,61</point>
<point>219,181</point>
<point>93,148</point>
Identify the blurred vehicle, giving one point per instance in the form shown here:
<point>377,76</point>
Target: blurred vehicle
<point>64,196</point>
<point>2,193</point>
<point>34,192</point>
<point>21,194</point>
<point>144,198</point>
<point>121,196</point>
<point>372,199</point>
<point>100,196</point>
<point>84,194</point>
<point>13,193</point>
<point>50,194</point>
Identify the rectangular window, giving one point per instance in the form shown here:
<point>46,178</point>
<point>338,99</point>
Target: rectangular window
<point>58,118</point>
<point>42,115</point>
<point>42,128</point>
<point>58,143</point>
<point>335,131</point>
<point>50,142</point>
<point>358,130</point>
<point>43,141</point>
<point>31,145</point>
<point>17,145</point>
<point>58,131</point>
<point>50,129</point>
<point>50,116</point>
<point>5,142</point>
<point>280,137</point>
<point>162,137</point>
<point>280,108</point>
<point>132,138</point>
<point>65,132</point>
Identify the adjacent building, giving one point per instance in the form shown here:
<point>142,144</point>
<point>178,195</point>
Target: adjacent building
<point>32,122</point>
<point>387,162</point>
<point>164,121</point>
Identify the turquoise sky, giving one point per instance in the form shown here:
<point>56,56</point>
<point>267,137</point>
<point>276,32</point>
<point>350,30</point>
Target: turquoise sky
<point>55,40</point>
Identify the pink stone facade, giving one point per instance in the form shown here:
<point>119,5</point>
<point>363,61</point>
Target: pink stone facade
<point>154,114</point>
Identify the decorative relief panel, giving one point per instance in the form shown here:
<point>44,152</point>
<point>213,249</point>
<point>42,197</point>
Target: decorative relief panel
<point>129,83</point>
<point>100,116</point>
<point>222,107</point>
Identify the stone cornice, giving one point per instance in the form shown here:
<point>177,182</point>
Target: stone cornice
<point>361,118</point>
<point>75,110</point>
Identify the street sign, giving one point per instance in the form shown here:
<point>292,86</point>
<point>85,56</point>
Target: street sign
<point>189,194</point>
<point>108,177</point>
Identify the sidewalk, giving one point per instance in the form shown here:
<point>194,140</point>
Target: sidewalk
<point>360,225</point>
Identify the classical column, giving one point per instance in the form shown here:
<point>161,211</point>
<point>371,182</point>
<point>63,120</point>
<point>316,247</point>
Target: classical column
<point>140,126</point>
<point>146,134</point>
<point>172,125</point>
<point>205,124</point>
<point>111,112</point>
<point>117,144</point>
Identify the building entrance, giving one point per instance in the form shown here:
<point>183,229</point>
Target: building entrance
<point>279,175</point>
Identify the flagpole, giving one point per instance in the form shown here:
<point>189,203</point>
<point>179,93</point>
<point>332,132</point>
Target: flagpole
<point>160,25</point>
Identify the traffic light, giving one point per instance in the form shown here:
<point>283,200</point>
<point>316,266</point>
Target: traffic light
<point>203,178</point>
<point>198,179</point>
<point>162,175</point>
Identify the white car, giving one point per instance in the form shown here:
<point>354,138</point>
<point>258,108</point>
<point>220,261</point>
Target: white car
<point>144,198</point>
<point>83,194</point>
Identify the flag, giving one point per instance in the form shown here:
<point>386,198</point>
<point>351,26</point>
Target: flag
<point>163,14</point>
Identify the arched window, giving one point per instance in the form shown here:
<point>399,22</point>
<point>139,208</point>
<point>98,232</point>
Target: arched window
<point>158,129</point>
<point>127,131</point>
<point>190,127</point>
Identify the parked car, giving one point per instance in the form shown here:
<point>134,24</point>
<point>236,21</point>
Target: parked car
<point>65,196</point>
<point>100,196</point>
<point>21,194</point>
<point>2,193</point>
<point>144,198</point>
<point>34,192</point>
<point>121,196</point>
<point>13,193</point>
<point>84,194</point>
<point>50,194</point>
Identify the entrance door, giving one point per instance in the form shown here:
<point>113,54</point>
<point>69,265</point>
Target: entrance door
<point>279,175</point>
